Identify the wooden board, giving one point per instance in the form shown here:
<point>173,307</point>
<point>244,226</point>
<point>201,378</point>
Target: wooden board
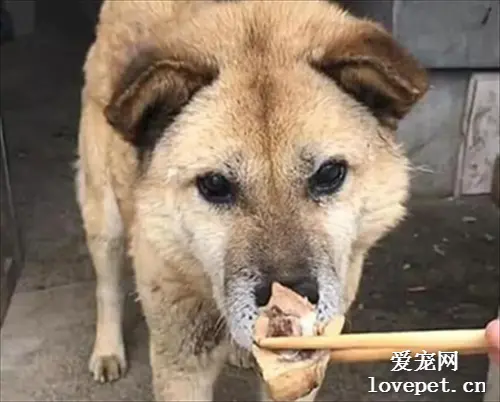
<point>481,135</point>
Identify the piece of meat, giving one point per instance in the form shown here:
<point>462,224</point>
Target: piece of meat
<point>290,375</point>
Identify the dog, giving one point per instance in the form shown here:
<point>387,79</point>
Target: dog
<point>225,145</point>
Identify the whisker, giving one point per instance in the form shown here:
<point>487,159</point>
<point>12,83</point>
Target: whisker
<point>220,326</point>
<point>421,169</point>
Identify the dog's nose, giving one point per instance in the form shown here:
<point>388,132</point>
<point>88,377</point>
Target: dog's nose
<point>263,293</point>
<point>304,286</point>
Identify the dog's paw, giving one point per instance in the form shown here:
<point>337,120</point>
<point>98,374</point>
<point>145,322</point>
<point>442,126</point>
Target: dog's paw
<point>107,367</point>
<point>241,358</point>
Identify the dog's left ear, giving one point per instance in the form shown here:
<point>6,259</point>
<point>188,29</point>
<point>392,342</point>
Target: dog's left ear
<point>367,63</point>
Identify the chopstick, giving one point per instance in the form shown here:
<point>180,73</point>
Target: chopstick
<point>374,343</point>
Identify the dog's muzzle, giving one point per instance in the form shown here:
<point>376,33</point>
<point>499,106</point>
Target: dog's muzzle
<point>306,287</point>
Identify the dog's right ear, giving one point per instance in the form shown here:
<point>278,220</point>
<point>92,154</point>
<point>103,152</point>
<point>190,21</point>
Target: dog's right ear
<point>153,91</point>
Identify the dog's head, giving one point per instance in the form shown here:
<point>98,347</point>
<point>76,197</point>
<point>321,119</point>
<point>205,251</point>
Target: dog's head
<point>265,134</point>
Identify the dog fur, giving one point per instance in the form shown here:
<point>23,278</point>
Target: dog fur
<point>264,92</point>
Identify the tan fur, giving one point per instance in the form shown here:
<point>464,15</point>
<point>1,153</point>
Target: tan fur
<point>264,90</point>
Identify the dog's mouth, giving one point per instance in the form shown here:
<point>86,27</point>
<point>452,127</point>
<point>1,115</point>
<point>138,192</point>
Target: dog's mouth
<point>242,311</point>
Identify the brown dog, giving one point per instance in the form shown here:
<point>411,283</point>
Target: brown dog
<point>234,144</point>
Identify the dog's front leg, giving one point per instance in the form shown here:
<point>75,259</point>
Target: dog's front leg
<point>187,335</point>
<point>185,378</point>
<point>187,347</point>
<point>187,343</point>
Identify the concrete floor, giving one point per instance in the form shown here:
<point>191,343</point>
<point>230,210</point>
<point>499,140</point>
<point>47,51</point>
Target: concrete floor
<point>439,270</point>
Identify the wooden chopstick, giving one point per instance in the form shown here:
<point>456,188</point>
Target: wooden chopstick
<point>451,340</point>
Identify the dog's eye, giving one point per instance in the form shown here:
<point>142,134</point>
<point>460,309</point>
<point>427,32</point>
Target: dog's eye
<point>215,188</point>
<point>328,178</point>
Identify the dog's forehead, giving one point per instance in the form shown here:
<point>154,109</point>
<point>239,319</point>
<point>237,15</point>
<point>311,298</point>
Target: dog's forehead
<point>249,29</point>
<point>268,111</point>
<point>276,122</point>
<point>290,115</point>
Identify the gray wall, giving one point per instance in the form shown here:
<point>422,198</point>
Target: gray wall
<point>451,33</point>
<point>453,39</point>
<point>431,134</point>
